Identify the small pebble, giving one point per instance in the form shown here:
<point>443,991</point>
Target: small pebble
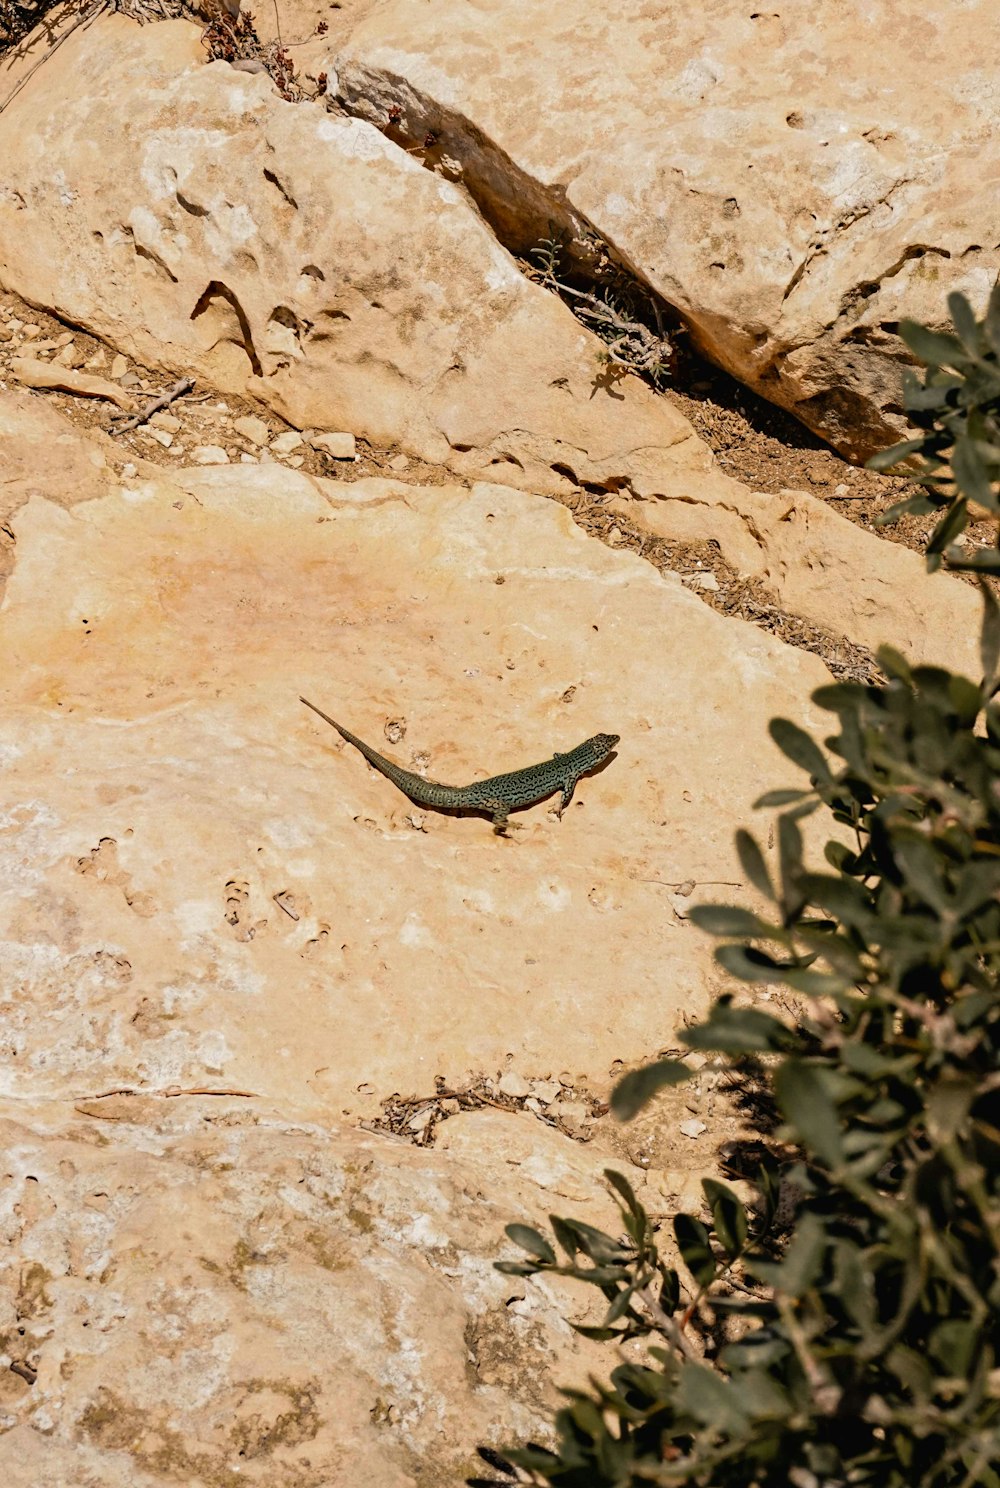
<point>692,1129</point>
<point>119,366</point>
<point>546,1090</point>
<point>295,461</point>
<point>399,462</point>
<point>247,459</point>
<point>337,446</point>
<point>252,428</point>
<point>704,583</point>
<point>287,443</point>
<point>209,454</point>
<point>513,1085</point>
<point>166,421</point>
<point>66,339</point>
<point>841,490</point>
<point>31,331</point>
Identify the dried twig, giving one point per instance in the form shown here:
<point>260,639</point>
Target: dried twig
<point>171,1091</point>
<point>177,391</point>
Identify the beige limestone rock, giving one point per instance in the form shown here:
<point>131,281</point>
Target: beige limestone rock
<point>415,327</point>
<point>207,1292</point>
<point>38,374</point>
<point>252,428</point>
<point>793,184</point>
<point>819,565</point>
<point>306,259</point>
<point>337,446</point>
<point>43,455</point>
<point>140,872</point>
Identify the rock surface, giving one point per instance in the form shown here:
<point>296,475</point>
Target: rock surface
<point>793,184</point>
<point>192,788</point>
<point>225,940</point>
<point>223,935</point>
<point>195,1292</point>
<point>307,259</point>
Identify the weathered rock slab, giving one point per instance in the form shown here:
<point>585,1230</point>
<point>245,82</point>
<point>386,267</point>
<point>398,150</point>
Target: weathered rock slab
<point>302,257</point>
<point>202,885</point>
<point>793,184</point>
<point>192,1292</point>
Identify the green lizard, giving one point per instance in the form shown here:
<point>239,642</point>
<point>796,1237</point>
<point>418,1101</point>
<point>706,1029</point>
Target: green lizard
<point>500,794</point>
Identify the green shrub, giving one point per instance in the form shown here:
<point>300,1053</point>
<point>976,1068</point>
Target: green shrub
<point>957,405</point>
<point>857,1343</point>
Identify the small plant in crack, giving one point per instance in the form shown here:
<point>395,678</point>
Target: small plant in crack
<point>234,39</point>
<point>615,308</point>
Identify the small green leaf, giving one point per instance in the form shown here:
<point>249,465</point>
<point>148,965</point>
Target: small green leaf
<point>515,1268</point>
<point>749,964</point>
<point>728,1216</point>
<point>971,474</point>
<point>953,1345</point>
<point>530,1240</point>
<point>639,1086</point>
<point>933,347</point>
<point>620,1305</point>
<point>954,521</point>
<point>780,798</point>
<point>753,863</point>
<point>728,919</point>
<point>991,325</point>
<point>917,399</point>
<point>733,1030</point>
<point>693,1242</point>
<point>804,1256</point>
<point>886,459</point>
<point>989,639</point>
<point>803,751</point>
<point>624,1189</point>
<point>964,320</point>
<point>804,1097</point>
<point>790,859</point>
<point>601,1335</point>
<point>918,505</point>
<point>986,561</point>
<point>709,1398</point>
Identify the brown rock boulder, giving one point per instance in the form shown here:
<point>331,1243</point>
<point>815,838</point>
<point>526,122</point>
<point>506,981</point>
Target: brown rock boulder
<point>793,184</point>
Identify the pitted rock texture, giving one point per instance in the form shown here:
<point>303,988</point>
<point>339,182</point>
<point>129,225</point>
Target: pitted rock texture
<point>792,183</point>
<point>303,257</point>
<point>194,1291</point>
<point>309,260</point>
<point>201,882</point>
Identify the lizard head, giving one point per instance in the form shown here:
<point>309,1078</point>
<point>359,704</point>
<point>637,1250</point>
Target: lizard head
<point>604,743</point>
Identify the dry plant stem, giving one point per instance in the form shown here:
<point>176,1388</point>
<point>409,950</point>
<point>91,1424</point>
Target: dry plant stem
<point>163,401</point>
<point>667,1325</point>
<point>826,1394</point>
<point>171,1091</point>
<point>81,20</point>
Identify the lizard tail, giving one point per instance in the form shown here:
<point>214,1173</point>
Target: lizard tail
<point>325,716</point>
